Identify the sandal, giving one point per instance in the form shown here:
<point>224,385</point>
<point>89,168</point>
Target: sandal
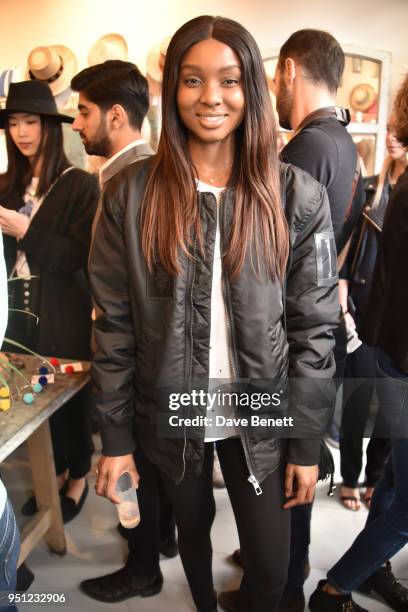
<point>350,498</point>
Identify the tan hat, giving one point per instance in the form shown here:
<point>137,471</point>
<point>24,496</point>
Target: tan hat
<point>108,47</point>
<point>156,58</point>
<point>362,97</point>
<point>54,65</point>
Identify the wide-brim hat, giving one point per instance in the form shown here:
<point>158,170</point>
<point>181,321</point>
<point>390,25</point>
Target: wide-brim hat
<point>54,65</point>
<point>156,58</point>
<point>32,97</point>
<point>108,47</point>
<point>10,75</point>
<point>362,97</point>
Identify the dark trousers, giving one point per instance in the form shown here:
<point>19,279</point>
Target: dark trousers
<point>263,528</point>
<point>71,435</point>
<point>386,530</point>
<point>157,519</point>
<point>362,365</point>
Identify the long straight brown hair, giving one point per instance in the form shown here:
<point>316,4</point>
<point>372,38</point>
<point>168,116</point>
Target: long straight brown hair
<point>169,212</point>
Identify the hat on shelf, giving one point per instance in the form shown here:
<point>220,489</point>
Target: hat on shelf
<point>10,75</point>
<point>54,65</point>
<point>108,47</point>
<point>33,97</point>
<point>156,58</point>
<point>362,97</point>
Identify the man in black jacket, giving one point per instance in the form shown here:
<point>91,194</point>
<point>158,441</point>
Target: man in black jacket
<point>113,102</point>
<point>307,76</point>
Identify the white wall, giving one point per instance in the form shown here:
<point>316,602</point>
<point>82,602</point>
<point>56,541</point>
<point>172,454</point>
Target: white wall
<point>25,24</point>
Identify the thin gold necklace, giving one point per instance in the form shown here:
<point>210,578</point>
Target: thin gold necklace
<point>216,177</point>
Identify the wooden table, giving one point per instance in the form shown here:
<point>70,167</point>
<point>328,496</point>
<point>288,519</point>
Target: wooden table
<point>29,423</point>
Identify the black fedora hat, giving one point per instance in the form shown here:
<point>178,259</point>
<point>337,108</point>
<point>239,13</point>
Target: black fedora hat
<point>32,97</point>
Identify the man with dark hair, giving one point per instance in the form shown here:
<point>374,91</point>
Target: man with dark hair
<point>307,76</point>
<point>113,102</point>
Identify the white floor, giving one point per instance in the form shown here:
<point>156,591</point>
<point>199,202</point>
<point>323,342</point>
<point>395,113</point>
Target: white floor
<point>95,548</point>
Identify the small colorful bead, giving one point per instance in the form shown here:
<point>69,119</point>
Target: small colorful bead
<point>43,370</point>
<point>4,404</point>
<point>37,388</point>
<point>4,392</point>
<point>28,398</point>
<point>69,369</point>
<point>54,361</point>
<point>43,380</point>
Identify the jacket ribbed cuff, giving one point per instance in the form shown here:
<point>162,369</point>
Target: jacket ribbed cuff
<point>117,440</point>
<point>302,451</point>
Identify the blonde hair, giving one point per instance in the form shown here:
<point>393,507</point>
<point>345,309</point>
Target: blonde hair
<point>385,173</point>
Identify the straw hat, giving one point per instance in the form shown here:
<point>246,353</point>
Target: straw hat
<point>10,75</point>
<point>33,97</point>
<point>54,65</point>
<point>108,47</point>
<point>362,97</point>
<point>156,58</point>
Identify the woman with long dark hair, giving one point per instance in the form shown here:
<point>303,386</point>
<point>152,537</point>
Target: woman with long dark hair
<point>46,213</point>
<point>190,274</point>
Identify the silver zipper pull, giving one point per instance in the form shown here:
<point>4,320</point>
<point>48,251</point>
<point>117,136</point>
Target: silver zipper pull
<point>255,484</point>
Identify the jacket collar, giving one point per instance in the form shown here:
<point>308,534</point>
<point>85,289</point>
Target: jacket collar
<point>125,158</point>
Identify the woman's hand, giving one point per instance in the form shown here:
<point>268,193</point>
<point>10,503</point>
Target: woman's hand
<point>300,484</point>
<point>13,223</point>
<point>108,472</point>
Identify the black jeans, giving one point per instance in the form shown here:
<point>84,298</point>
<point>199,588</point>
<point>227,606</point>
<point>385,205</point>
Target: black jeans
<point>263,527</point>
<point>362,364</point>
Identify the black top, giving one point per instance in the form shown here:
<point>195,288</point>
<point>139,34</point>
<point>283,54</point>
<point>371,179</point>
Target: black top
<point>326,150</point>
<point>385,323</point>
<point>359,266</point>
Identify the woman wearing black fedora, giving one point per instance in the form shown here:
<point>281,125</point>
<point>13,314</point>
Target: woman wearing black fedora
<point>46,212</point>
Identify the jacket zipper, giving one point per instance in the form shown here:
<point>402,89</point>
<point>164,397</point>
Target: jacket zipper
<point>232,356</point>
<point>189,352</point>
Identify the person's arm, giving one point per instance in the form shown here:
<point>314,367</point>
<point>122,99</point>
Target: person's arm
<point>53,252</point>
<point>113,361</point>
<point>312,311</point>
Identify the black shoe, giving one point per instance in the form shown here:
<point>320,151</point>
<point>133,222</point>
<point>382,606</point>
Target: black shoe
<point>69,508</point>
<point>230,601</point>
<point>321,601</point>
<point>236,557</point>
<point>292,601</point>
<point>29,508</point>
<point>384,584</point>
<point>121,585</point>
<point>25,578</point>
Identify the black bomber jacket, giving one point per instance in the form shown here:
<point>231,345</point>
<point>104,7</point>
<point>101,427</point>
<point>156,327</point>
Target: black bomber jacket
<point>153,327</point>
